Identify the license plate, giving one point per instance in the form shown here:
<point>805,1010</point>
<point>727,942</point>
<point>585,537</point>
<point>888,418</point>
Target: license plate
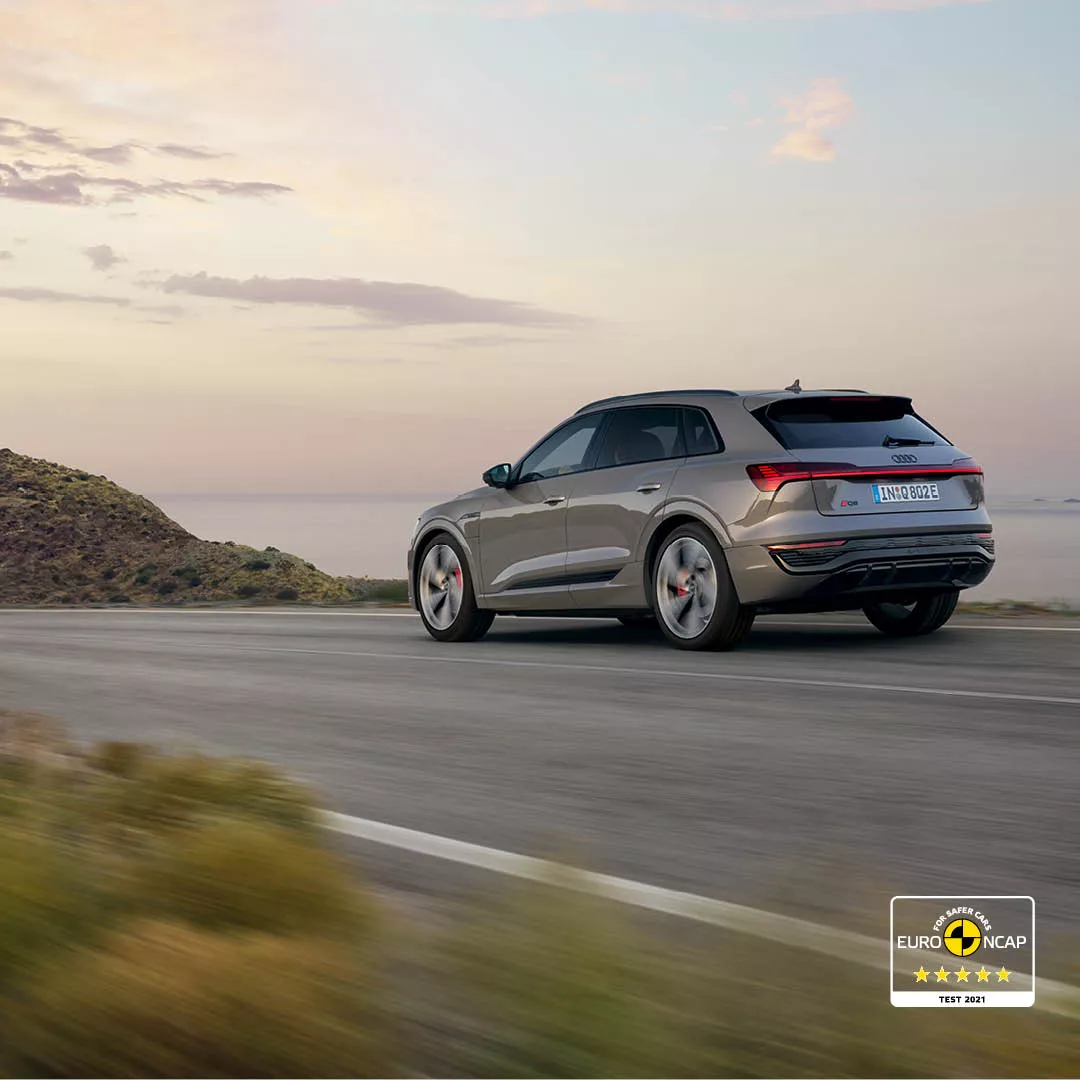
<point>905,493</point>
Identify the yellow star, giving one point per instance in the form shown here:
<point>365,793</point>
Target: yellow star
<point>920,975</point>
<point>942,974</point>
<point>962,975</point>
<point>984,975</point>
<point>1003,975</point>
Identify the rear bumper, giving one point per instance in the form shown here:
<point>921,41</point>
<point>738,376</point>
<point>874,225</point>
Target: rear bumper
<point>861,570</point>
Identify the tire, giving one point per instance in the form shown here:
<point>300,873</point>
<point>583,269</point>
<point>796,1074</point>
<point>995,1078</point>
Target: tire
<point>444,593</point>
<point>694,597</point>
<point>911,620</point>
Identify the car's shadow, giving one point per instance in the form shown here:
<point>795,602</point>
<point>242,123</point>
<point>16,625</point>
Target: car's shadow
<point>764,637</point>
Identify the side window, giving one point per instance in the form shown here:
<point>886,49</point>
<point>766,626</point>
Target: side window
<point>700,433</point>
<point>562,453</point>
<point>647,433</point>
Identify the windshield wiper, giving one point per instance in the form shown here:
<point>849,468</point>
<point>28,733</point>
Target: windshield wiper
<point>892,440</point>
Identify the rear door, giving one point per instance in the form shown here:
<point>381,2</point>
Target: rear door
<point>641,447</point>
<point>873,455</point>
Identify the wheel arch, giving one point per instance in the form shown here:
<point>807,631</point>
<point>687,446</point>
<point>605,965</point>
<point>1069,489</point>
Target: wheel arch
<point>429,530</point>
<point>672,520</point>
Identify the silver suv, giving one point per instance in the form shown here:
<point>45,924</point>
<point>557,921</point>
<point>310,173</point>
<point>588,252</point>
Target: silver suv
<point>695,510</point>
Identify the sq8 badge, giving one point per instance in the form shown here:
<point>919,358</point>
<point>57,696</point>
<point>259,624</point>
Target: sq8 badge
<point>950,952</point>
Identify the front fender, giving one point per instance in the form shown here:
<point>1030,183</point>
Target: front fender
<point>429,529</point>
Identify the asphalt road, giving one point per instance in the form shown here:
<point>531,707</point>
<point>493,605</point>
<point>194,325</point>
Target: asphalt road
<point>819,769</point>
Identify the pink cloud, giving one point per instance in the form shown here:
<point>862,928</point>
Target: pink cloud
<point>825,105</point>
<point>806,146</point>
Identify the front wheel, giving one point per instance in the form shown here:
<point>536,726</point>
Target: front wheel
<point>444,594</point>
<point>910,620</point>
<point>693,594</point>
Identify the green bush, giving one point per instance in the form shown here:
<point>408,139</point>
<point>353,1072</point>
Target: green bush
<point>167,1001</point>
<point>246,592</point>
<point>286,594</point>
<point>46,898</point>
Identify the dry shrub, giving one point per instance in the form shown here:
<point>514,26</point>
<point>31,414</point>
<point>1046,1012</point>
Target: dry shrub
<point>552,982</point>
<point>29,741</point>
<point>146,790</point>
<point>168,1001</point>
<point>242,874</point>
<point>549,983</point>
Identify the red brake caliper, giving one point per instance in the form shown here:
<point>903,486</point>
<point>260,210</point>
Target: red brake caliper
<point>457,574</point>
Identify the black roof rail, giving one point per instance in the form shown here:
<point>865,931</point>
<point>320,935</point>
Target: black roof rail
<point>651,394</point>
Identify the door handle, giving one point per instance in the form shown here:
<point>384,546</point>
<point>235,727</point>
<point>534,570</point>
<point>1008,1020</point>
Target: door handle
<point>554,500</point>
<point>645,489</point>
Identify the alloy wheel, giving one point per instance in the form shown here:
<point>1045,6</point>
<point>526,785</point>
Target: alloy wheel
<point>686,587</point>
<point>441,586</point>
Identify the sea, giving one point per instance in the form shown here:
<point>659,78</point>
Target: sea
<point>1038,539</point>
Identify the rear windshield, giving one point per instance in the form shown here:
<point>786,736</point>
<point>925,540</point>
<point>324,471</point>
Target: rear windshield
<point>820,423</point>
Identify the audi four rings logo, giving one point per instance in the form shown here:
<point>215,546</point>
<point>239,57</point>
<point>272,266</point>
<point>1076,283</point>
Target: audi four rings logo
<point>905,459</point>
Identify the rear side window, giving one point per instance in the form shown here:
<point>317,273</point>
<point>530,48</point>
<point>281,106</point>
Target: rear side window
<point>699,433</point>
<point>649,433</point>
<point>821,423</point>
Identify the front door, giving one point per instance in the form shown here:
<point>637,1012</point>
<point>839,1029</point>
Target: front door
<point>523,526</point>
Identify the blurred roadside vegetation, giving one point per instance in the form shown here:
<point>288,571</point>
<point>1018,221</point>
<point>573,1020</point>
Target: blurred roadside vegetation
<point>184,916</point>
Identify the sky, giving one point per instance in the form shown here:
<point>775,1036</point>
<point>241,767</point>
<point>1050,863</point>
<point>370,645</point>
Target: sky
<point>379,245</point>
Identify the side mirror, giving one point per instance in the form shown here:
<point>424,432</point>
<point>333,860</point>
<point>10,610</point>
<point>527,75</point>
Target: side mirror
<point>498,476</point>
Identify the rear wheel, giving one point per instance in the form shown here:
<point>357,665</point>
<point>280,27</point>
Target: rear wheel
<point>445,596</point>
<point>910,620</point>
<point>693,595</point>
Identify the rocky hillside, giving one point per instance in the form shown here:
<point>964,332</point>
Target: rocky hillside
<point>67,537</point>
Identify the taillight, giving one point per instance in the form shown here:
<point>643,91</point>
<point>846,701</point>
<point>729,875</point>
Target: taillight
<point>773,475</point>
<point>966,465</point>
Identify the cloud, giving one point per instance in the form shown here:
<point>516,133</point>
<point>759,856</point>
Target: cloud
<point>51,296</point>
<point>825,105</point>
<point>102,257</point>
<point>728,10</point>
<point>27,182</point>
<point>5,255</point>
<point>120,154</point>
<point>483,341</point>
<point>805,145</point>
<point>34,295</point>
<point>385,302</point>
<point>192,153</point>
<point>755,121</point>
<point>44,171</point>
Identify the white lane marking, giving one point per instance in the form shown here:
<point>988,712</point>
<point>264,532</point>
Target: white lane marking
<point>611,669</point>
<point>1054,997</point>
<point>666,673</point>
<point>765,620</point>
